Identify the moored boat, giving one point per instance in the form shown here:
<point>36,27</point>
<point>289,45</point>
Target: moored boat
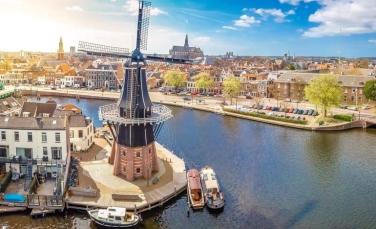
<point>195,192</point>
<point>116,217</point>
<point>214,199</point>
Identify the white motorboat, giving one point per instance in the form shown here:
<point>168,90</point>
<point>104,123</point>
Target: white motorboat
<point>214,199</point>
<point>116,217</point>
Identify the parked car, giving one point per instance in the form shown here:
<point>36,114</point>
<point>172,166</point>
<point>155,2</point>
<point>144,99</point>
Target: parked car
<point>194,93</point>
<point>248,97</point>
<point>295,101</point>
<point>287,100</point>
<point>343,106</point>
<point>271,114</point>
<point>305,112</point>
<point>186,99</point>
<point>366,107</point>
<point>310,112</point>
<point>210,94</point>
<point>353,108</point>
<point>291,110</point>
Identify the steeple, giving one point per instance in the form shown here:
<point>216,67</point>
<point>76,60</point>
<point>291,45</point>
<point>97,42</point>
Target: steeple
<point>60,51</point>
<point>186,41</point>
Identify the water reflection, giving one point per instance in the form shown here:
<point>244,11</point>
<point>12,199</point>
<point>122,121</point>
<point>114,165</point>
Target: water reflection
<point>272,177</point>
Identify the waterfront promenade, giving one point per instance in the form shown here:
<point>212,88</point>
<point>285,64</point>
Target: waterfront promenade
<point>364,118</point>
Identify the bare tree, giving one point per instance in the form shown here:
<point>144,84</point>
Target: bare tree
<point>258,101</point>
<point>285,107</point>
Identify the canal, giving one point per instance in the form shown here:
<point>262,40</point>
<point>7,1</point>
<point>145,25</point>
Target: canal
<point>271,176</point>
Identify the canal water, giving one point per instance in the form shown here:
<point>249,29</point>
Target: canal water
<point>271,176</point>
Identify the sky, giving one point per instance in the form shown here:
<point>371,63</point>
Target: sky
<point>335,28</point>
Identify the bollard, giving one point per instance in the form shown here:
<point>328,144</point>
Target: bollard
<point>175,189</point>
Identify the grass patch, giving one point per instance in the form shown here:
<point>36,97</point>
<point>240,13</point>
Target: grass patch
<point>264,116</point>
<point>347,118</point>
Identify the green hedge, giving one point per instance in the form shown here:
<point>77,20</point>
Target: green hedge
<point>5,181</point>
<point>343,117</point>
<point>264,116</point>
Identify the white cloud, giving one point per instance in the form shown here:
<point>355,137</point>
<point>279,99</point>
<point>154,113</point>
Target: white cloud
<point>295,2</point>
<point>246,21</point>
<point>278,15</point>
<point>74,8</point>
<point>156,11</point>
<point>204,39</point>
<point>113,0</point>
<point>229,27</point>
<point>372,41</point>
<point>131,6</point>
<point>351,17</point>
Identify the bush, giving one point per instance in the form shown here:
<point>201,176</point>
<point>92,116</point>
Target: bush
<point>5,181</point>
<point>347,118</point>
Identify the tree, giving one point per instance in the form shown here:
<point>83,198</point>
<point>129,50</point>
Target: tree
<point>1,86</point>
<point>291,67</point>
<point>232,87</point>
<point>273,90</point>
<point>364,63</point>
<point>203,80</point>
<point>258,101</point>
<point>285,107</point>
<point>6,65</point>
<point>369,90</point>
<point>175,78</point>
<point>324,92</point>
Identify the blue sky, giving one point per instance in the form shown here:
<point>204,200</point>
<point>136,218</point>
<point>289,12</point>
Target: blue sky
<point>254,28</point>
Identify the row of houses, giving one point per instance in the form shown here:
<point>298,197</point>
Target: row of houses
<point>38,137</point>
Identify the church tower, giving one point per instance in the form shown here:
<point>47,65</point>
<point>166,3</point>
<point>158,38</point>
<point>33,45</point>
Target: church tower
<point>60,51</point>
<point>186,45</point>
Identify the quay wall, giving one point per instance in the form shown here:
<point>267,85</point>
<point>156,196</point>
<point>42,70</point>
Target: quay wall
<point>98,95</point>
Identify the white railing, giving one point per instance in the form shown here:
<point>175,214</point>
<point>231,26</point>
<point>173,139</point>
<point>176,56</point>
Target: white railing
<point>160,113</point>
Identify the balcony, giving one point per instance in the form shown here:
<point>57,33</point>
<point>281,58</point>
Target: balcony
<point>36,161</point>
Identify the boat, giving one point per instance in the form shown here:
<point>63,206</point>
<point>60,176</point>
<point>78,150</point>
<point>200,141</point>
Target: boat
<point>195,192</point>
<point>14,198</point>
<point>116,217</point>
<point>213,195</point>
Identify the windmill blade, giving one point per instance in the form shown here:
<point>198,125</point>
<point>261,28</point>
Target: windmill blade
<point>169,60</point>
<point>143,24</point>
<point>103,50</point>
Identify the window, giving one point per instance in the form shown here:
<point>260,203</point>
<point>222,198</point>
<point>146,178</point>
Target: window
<point>149,151</point>
<point>4,151</point>
<point>345,98</point>
<point>138,170</point>
<point>45,152</point>
<point>124,153</point>
<point>71,134</point>
<point>56,153</point>
<point>80,134</point>
<point>124,169</point>
<point>138,154</point>
<point>44,137</point>
<point>57,137</point>
<point>3,136</point>
<point>29,136</point>
<point>16,136</point>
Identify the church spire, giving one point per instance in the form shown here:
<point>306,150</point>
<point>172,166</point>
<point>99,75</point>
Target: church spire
<point>60,51</point>
<point>186,41</point>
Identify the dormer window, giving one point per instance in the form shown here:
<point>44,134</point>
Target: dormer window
<point>46,115</point>
<point>25,114</point>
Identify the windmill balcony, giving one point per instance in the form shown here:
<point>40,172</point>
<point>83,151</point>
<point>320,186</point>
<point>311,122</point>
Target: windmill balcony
<point>160,113</point>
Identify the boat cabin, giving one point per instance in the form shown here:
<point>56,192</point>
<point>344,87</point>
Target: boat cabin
<point>114,214</point>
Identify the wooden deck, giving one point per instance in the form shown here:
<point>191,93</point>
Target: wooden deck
<point>5,209</point>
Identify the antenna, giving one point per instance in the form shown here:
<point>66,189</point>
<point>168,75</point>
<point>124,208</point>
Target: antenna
<point>339,60</point>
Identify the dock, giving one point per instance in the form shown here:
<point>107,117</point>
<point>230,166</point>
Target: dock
<point>138,196</point>
<point>6,209</point>
<point>41,212</point>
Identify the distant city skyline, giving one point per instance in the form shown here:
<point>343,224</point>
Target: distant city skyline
<point>253,28</point>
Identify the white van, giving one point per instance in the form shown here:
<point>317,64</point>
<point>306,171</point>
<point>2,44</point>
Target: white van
<point>76,86</point>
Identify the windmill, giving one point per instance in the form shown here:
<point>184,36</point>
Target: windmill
<point>134,121</point>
